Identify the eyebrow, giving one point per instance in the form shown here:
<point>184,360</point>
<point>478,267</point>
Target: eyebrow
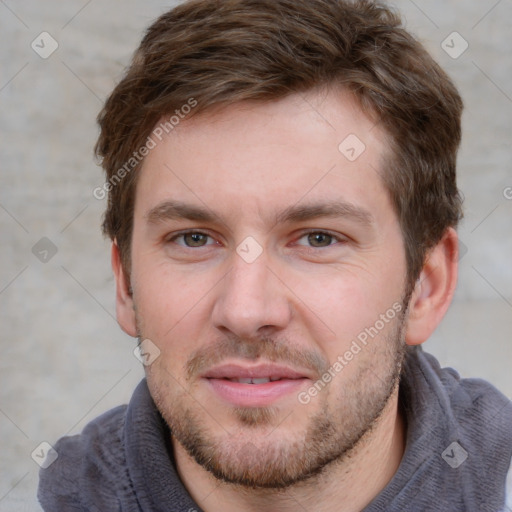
<point>335,209</point>
<point>173,210</point>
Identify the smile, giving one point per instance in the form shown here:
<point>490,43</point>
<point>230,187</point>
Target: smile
<point>261,380</point>
<point>254,386</point>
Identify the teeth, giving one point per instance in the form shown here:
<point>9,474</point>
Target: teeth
<point>262,380</point>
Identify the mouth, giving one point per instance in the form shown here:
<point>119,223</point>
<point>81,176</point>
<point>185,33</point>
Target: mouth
<point>254,386</point>
<point>261,380</point>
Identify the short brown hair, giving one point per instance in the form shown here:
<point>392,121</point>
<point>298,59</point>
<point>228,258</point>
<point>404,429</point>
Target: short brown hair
<point>219,52</point>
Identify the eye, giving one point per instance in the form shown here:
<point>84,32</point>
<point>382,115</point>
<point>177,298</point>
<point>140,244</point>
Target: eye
<point>317,239</point>
<point>192,239</point>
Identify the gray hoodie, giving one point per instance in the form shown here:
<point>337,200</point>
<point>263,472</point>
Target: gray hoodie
<point>458,452</point>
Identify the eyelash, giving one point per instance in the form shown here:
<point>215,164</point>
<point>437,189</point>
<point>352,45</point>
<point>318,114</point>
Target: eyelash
<point>189,232</point>
<point>335,238</point>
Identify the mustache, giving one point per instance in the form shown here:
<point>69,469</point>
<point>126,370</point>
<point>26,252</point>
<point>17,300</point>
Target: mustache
<point>263,347</point>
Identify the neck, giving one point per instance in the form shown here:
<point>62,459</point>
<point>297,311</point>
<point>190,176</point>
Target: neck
<point>348,485</point>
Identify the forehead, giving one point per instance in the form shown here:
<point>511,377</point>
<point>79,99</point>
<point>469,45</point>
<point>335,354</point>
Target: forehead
<point>262,158</point>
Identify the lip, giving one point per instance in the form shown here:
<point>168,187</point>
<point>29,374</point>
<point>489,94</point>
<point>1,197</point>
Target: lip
<point>237,371</point>
<point>254,395</point>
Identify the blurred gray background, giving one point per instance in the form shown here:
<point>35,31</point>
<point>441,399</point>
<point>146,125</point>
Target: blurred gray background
<point>64,359</point>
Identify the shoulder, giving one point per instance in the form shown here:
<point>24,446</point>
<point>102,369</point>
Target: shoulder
<point>90,460</point>
<point>468,398</point>
<point>475,404</point>
<point>478,417</point>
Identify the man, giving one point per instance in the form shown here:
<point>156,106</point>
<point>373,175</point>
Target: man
<point>282,206</point>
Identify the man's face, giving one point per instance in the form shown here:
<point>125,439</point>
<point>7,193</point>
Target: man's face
<point>264,253</point>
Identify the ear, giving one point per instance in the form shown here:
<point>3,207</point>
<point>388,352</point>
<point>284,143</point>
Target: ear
<point>434,289</point>
<point>124,301</point>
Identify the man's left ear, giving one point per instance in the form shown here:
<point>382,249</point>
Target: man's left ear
<point>434,289</point>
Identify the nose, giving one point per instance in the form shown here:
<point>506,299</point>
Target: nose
<point>251,300</point>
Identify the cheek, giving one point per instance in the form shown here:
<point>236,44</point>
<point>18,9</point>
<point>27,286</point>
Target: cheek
<point>343,304</point>
<point>171,308</point>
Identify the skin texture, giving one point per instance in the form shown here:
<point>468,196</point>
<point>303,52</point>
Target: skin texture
<point>299,293</point>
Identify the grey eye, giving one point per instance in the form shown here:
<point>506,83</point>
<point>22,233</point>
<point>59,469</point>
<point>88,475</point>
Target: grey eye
<point>319,239</point>
<point>195,239</point>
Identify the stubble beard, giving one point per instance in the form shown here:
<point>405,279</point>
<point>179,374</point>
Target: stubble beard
<point>261,452</point>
